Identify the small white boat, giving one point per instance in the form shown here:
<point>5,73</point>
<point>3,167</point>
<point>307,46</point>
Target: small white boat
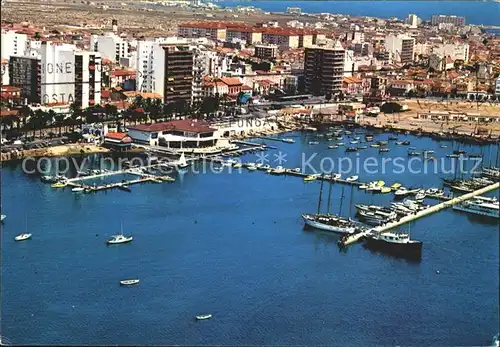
<point>354,142</point>
<point>119,238</point>
<point>129,282</point>
<point>22,237</point>
<point>182,163</point>
<point>203,316</point>
<point>336,176</point>
<point>434,191</point>
<point>340,143</point>
<point>288,140</point>
<point>78,189</point>
<point>313,142</point>
<point>333,147</point>
<point>252,167</point>
<point>351,178</point>
<point>297,170</point>
<point>420,196</point>
<point>2,217</point>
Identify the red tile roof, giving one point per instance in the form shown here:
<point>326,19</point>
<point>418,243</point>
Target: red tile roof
<point>116,136</point>
<point>123,73</point>
<point>182,125</point>
<point>231,81</point>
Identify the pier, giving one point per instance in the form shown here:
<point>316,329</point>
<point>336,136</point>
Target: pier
<point>433,209</point>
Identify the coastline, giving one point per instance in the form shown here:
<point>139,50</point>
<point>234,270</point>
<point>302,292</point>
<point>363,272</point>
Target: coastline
<point>56,151</point>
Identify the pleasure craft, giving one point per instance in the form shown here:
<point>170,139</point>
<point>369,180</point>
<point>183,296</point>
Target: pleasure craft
<point>117,239</point>
<point>203,316</point>
<point>22,237</point>
<point>395,243</point>
<point>420,196</point>
<point>330,223</point>
<point>77,189</point>
<point>333,147</point>
<point>434,191</point>
<point>352,178</point>
<point>484,206</point>
<point>288,140</point>
<point>2,217</point>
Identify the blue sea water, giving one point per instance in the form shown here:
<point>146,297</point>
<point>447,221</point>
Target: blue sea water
<point>475,12</point>
<point>233,244</point>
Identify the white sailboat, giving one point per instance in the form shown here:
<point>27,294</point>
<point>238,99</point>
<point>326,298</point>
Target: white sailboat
<point>182,163</point>
<point>119,238</point>
<point>2,217</point>
<point>24,236</point>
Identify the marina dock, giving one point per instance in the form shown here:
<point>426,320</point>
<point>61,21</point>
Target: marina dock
<point>433,209</point>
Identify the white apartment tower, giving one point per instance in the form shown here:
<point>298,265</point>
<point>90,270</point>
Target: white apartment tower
<point>453,50</point>
<point>111,46</point>
<point>401,47</point>
<point>70,76</point>
<point>413,21</point>
<point>150,67</point>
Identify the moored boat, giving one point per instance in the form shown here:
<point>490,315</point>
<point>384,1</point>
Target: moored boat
<point>330,223</point>
<point>352,178</point>
<point>288,140</point>
<point>203,316</point>
<point>77,189</point>
<point>398,244</point>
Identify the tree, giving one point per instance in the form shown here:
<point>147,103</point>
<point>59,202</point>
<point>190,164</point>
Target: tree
<point>209,105</point>
<point>76,115</point>
<point>485,42</point>
<point>59,120</point>
<point>391,107</point>
<point>110,111</point>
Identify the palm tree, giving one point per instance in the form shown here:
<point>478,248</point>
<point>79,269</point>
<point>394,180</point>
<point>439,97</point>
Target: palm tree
<point>37,121</point>
<point>76,114</point>
<point>111,111</point>
<point>59,120</point>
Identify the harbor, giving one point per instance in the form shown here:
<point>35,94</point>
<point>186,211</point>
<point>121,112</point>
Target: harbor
<point>247,224</point>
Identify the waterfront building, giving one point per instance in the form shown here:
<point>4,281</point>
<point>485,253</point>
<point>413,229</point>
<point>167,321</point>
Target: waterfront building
<point>118,141</point>
<point>178,81</point>
<point>457,21</point>
<point>150,64</point>
<point>266,51</point>
<point>25,73</point>
<point>112,47</point>
<point>401,47</point>
<point>323,69</point>
<point>180,134</point>
<point>87,78</point>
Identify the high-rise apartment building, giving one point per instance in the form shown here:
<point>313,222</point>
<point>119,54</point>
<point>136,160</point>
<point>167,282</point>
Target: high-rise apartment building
<point>401,47</point>
<point>323,69</point>
<point>178,73</point>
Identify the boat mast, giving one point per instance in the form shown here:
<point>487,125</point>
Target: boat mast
<point>341,201</point>
<point>329,195</point>
<point>320,193</point>
<point>121,227</point>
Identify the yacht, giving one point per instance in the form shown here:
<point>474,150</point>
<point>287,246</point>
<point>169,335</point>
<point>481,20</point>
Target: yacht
<point>480,205</point>
<point>434,191</point>
<point>22,237</point>
<point>329,222</point>
<point>420,196</point>
<point>398,244</point>
<point>376,218</point>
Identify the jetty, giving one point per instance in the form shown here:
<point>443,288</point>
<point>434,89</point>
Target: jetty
<point>409,218</point>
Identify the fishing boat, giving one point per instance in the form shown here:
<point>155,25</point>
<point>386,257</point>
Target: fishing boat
<point>398,244</point>
<point>203,316</point>
<point>351,149</point>
<point>129,282</point>
<point>368,137</point>
<point>384,149</point>
<point>352,178</point>
<point>288,140</point>
<point>333,147</point>
<point>59,185</point>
